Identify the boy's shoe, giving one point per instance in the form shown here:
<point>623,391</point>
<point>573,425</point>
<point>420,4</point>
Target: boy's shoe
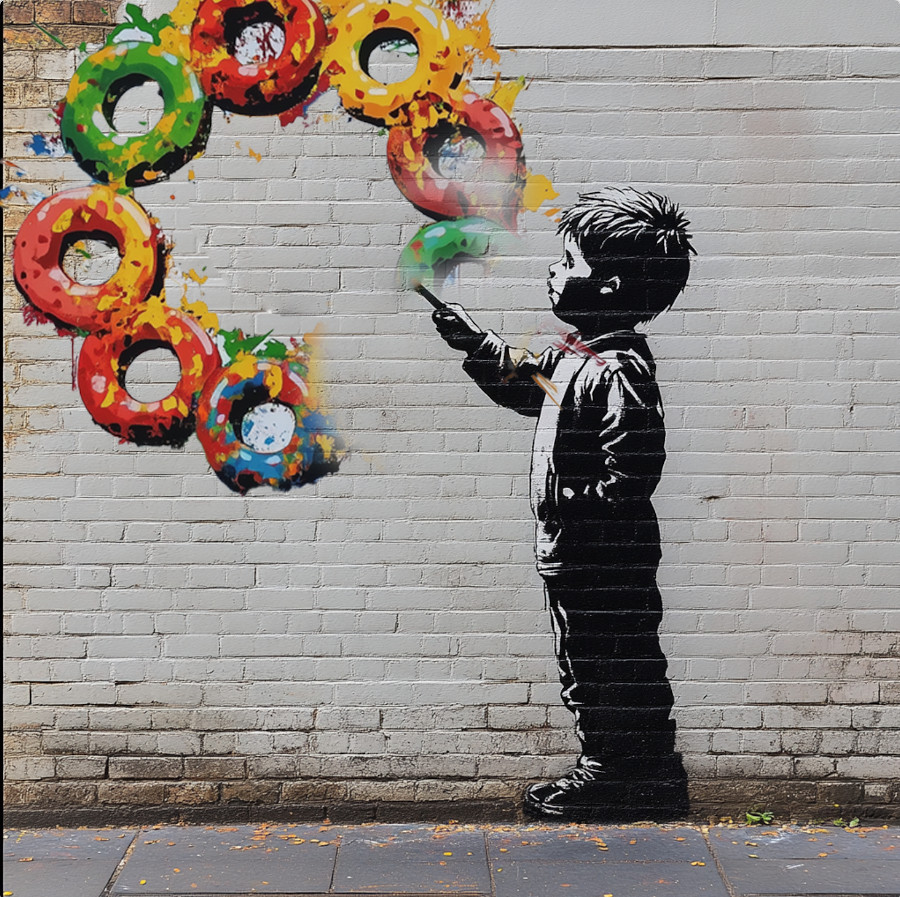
<point>590,793</point>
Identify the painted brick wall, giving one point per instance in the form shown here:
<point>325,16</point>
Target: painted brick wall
<point>380,636</point>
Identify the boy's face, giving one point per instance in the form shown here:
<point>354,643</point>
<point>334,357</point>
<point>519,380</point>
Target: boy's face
<point>583,296</point>
<point>575,292</point>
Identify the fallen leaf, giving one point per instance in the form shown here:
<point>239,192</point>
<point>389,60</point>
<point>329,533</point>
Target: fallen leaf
<point>698,863</point>
<point>143,881</point>
<point>823,854</point>
<point>26,860</point>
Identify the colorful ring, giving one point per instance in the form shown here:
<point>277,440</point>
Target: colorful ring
<point>358,29</point>
<point>85,213</point>
<point>432,253</point>
<point>104,361</point>
<point>110,157</point>
<point>414,157</point>
<point>273,85</point>
<point>312,451</point>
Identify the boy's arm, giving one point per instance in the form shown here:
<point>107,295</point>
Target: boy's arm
<point>505,374</point>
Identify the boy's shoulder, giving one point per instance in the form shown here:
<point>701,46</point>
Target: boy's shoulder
<point>624,352</point>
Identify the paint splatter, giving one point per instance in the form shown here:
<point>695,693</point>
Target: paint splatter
<point>46,145</point>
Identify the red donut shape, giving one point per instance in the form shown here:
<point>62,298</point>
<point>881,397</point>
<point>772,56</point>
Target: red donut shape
<point>104,361</point>
<point>496,190</point>
<point>87,212</point>
<point>273,85</point>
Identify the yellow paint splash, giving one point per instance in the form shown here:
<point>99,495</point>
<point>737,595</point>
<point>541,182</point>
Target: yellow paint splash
<point>505,95</point>
<point>538,189</point>
<point>245,365</point>
<point>197,278</point>
<point>200,312</point>
<point>273,379</point>
<point>255,155</point>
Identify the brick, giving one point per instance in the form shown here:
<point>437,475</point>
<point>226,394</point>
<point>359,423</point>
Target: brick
<point>250,792</point>
<point>145,767</point>
<point>18,12</point>
<point>215,768</point>
<point>191,793</point>
<point>131,794</point>
<point>91,12</point>
<point>81,767</point>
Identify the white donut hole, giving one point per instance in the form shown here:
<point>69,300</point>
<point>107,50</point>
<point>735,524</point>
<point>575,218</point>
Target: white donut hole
<point>393,56</point>
<point>90,261</point>
<point>259,42</point>
<point>268,428</point>
<point>153,375</point>
<point>138,110</point>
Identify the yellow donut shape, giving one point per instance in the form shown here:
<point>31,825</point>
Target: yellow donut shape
<point>354,33</point>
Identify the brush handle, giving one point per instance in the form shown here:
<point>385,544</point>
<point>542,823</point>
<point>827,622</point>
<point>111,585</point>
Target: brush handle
<point>422,290</point>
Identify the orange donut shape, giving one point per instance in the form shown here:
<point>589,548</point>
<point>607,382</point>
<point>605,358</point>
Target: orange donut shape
<point>104,361</point>
<point>83,213</point>
<point>416,158</point>
<point>359,28</point>
<point>272,85</point>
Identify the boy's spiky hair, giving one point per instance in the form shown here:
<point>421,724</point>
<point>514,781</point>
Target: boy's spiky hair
<point>640,236</point>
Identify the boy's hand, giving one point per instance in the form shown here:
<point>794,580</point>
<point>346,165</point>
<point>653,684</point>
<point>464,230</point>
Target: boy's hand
<point>457,328</point>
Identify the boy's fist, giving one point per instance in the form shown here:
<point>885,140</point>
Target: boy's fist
<point>457,328</point>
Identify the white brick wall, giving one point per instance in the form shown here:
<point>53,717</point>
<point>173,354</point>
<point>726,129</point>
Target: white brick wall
<point>386,624</point>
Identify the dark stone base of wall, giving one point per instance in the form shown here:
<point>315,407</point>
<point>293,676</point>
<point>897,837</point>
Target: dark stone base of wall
<point>711,801</point>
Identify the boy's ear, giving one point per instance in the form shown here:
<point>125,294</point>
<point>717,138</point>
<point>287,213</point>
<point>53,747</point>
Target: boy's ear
<point>611,284</point>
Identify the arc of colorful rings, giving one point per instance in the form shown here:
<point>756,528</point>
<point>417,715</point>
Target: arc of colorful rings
<point>196,68</point>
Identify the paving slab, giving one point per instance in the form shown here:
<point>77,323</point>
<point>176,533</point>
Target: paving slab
<point>392,859</point>
<point>586,844</point>
<point>812,878</point>
<point>76,863</point>
<point>809,842</point>
<point>238,859</point>
<point>604,879</point>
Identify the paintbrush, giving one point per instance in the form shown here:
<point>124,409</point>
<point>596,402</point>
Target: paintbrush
<point>422,290</point>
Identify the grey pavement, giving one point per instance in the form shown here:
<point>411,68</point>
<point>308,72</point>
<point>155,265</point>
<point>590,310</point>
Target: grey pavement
<point>463,860</point>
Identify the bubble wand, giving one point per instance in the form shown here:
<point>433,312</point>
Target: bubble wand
<point>422,290</point>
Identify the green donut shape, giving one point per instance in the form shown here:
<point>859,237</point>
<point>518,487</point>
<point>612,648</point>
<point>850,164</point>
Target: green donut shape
<point>100,81</point>
<point>432,253</point>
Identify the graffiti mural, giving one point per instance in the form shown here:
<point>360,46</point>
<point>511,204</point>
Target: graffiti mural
<point>454,154</point>
<point>598,454</point>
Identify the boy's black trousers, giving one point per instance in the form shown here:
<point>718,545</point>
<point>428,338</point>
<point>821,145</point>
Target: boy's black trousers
<point>612,668</point>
